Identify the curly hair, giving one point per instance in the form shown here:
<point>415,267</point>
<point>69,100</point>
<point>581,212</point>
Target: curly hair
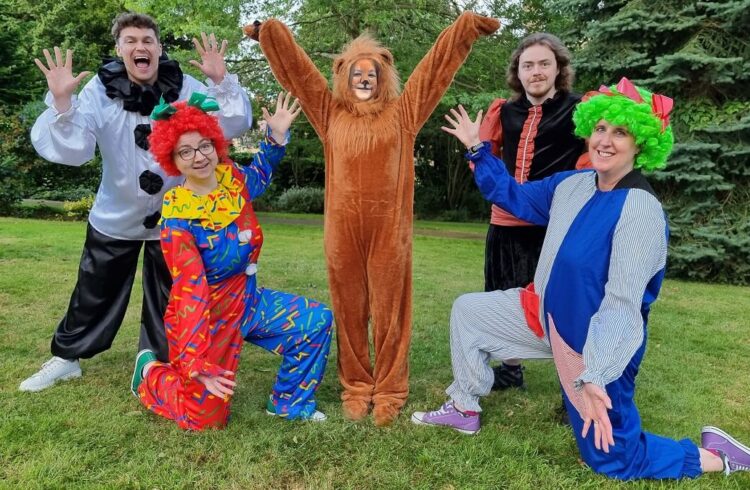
<point>133,19</point>
<point>167,132</point>
<point>564,79</point>
<point>654,144</point>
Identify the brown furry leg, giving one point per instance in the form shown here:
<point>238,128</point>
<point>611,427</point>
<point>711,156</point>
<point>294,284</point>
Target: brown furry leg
<point>390,287</point>
<point>348,283</point>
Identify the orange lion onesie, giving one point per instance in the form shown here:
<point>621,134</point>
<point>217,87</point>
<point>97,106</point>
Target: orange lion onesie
<point>368,132</point>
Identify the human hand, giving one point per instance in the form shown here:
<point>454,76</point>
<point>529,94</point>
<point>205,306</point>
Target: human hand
<point>285,114</point>
<point>218,385</point>
<point>212,63</point>
<point>60,79</point>
<point>466,130</point>
<point>252,30</point>
<point>595,405</point>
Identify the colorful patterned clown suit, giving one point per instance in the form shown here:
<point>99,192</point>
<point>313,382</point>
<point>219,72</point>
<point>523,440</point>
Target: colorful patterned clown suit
<point>211,245</point>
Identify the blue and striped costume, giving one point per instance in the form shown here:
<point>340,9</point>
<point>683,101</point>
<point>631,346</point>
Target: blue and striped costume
<point>601,268</point>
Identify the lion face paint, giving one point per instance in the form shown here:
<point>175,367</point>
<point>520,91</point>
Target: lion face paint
<point>363,79</point>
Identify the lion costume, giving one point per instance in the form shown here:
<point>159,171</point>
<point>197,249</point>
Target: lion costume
<point>369,194</point>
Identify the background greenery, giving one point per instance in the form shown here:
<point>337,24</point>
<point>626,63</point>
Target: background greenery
<point>92,433</point>
<point>696,51</point>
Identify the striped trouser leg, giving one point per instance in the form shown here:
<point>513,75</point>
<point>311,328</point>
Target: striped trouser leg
<point>484,327</point>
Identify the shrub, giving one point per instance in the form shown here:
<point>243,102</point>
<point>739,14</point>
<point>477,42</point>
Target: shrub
<point>302,200</point>
<point>11,187</point>
<point>79,209</point>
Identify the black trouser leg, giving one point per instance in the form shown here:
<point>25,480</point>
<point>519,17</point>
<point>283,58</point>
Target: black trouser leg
<point>157,283</point>
<point>100,298</point>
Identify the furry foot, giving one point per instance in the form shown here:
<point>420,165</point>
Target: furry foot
<point>355,410</point>
<point>384,414</point>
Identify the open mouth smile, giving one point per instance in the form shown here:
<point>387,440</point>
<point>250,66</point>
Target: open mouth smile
<point>142,61</point>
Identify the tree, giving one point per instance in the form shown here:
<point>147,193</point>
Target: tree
<point>697,52</point>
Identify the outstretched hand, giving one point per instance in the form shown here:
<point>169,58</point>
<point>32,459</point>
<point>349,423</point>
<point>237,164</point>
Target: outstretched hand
<point>463,128</point>
<point>595,405</point>
<point>218,385</point>
<point>212,63</point>
<point>282,119</point>
<point>60,79</point>
<point>252,30</point>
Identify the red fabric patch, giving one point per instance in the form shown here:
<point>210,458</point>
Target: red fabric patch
<point>530,305</point>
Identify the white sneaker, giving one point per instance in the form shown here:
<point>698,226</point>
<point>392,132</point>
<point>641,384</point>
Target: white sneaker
<point>52,371</point>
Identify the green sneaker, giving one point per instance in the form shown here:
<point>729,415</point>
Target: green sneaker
<point>317,416</point>
<point>141,359</point>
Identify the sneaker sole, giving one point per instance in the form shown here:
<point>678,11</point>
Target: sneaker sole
<point>465,432</point>
<point>304,420</point>
<point>721,433</point>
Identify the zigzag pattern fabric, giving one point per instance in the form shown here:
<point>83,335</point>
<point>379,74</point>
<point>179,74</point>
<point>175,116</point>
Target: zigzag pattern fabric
<point>211,245</point>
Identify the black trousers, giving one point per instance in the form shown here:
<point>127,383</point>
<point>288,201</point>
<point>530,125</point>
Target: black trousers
<point>510,256</point>
<point>100,298</point>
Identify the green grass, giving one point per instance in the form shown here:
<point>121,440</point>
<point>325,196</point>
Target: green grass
<point>92,432</point>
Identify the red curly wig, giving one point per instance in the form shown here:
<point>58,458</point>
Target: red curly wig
<point>166,132</point>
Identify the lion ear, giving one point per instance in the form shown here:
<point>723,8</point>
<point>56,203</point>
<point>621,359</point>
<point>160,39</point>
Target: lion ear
<point>387,57</point>
<point>338,64</point>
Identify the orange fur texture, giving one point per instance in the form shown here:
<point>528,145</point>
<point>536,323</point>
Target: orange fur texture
<point>369,195</point>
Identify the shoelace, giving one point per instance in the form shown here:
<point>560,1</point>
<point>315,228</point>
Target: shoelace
<point>48,365</point>
<point>446,408</point>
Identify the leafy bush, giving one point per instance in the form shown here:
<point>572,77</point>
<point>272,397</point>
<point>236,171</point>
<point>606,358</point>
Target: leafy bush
<point>79,209</point>
<point>302,200</point>
<point>75,193</point>
<point>10,184</point>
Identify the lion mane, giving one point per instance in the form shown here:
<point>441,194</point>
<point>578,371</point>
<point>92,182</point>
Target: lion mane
<point>363,125</point>
<point>389,85</point>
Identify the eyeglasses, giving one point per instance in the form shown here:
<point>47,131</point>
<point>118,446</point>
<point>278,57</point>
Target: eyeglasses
<point>206,148</point>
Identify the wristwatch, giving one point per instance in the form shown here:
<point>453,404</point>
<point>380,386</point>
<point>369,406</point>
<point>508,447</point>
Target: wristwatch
<point>475,149</point>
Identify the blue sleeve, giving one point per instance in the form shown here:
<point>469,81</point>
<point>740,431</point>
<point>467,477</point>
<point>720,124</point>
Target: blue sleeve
<point>259,172</point>
<point>530,201</point>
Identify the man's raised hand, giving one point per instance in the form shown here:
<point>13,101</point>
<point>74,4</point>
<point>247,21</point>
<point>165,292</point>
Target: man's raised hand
<point>212,57</point>
<point>59,75</point>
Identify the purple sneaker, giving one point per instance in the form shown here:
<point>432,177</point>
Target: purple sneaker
<point>736,456</point>
<point>448,416</point>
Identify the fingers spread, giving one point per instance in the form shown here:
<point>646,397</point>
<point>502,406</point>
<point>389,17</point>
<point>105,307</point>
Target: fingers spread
<point>41,66</point>
<point>198,47</point>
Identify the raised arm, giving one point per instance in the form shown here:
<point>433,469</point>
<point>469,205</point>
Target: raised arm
<point>64,133</point>
<point>433,75</point>
<point>294,70</point>
<point>530,202</point>
<point>236,113</point>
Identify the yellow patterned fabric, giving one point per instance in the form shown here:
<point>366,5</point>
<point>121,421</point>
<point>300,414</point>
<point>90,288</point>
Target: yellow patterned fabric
<point>215,210</point>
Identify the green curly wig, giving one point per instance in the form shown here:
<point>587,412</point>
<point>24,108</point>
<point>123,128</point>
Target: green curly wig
<point>655,145</point>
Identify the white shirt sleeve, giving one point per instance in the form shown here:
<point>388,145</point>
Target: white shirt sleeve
<point>68,137</point>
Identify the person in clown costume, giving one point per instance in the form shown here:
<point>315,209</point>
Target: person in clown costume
<point>601,268</point>
<point>211,241</point>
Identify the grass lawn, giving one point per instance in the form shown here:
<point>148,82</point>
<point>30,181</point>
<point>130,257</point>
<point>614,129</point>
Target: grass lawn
<point>92,432</point>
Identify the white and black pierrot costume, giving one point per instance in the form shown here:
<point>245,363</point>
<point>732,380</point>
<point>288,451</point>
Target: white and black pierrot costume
<point>112,113</point>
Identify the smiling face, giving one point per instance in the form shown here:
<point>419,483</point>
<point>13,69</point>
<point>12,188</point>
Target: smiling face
<point>363,79</point>
<point>196,159</point>
<point>139,49</point>
<point>537,71</point>
<point>612,151</point>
